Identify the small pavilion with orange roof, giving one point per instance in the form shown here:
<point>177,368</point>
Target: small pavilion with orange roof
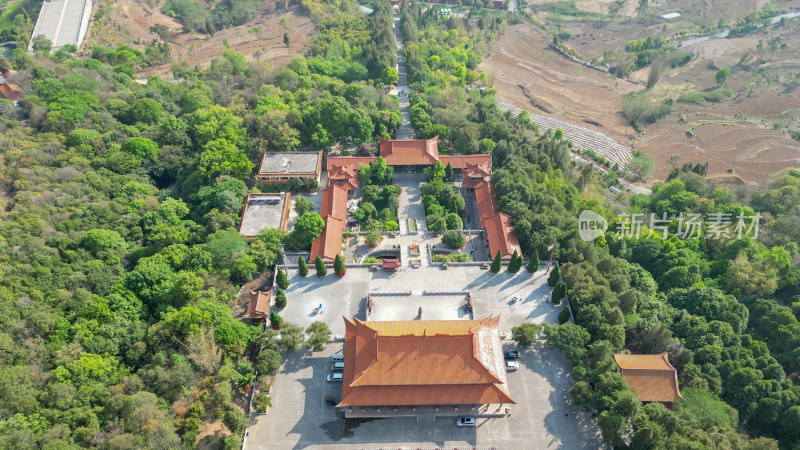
<point>652,377</point>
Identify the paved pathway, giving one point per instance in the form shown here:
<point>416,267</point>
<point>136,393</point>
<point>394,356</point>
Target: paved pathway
<point>405,131</point>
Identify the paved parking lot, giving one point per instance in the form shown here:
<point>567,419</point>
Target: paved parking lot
<point>299,417</point>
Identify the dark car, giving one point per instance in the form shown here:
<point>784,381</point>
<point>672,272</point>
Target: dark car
<point>513,354</point>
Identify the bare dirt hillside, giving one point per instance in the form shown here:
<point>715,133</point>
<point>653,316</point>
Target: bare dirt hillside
<point>753,145</point>
<point>128,22</point>
<point>521,60</point>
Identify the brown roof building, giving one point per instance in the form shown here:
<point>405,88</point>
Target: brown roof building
<point>501,235</point>
<point>652,377</point>
<point>258,308</point>
<point>499,231</point>
<point>343,170</point>
<point>334,211</point>
<point>410,152</point>
<point>10,91</point>
<point>475,169</point>
<point>423,363</point>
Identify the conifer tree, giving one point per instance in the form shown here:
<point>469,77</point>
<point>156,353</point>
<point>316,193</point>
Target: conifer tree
<point>280,299</point>
<point>303,267</point>
<point>552,280</point>
<point>516,262</point>
<point>338,266</point>
<point>533,264</point>
<point>497,264</point>
<point>321,269</point>
<point>282,280</point>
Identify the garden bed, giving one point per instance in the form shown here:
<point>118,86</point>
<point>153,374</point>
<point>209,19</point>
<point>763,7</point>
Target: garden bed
<point>412,225</point>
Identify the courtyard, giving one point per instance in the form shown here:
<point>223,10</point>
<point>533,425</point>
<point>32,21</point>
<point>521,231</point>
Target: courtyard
<point>432,288</point>
<point>542,418</point>
<point>299,417</point>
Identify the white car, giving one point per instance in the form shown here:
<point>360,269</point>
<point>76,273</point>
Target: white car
<point>466,422</point>
<point>337,357</point>
<point>511,365</point>
<point>334,378</point>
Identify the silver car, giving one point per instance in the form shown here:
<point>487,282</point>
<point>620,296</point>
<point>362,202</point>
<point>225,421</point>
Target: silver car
<point>334,378</point>
<point>466,422</point>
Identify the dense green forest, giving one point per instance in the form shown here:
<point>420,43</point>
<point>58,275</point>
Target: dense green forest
<point>119,253</point>
<point>724,309</point>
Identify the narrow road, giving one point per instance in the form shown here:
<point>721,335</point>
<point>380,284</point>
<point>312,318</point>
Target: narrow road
<point>405,130</point>
<point>791,15</point>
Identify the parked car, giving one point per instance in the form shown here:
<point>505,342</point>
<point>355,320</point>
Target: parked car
<point>337,366</point>
<point>511,365</point>
<point>513,354</point>
<point>334,378</point>
<point>337,357</point>
<point>466,422</point>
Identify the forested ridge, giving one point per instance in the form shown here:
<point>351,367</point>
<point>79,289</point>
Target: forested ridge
<point>119,254</point>
<point>119,251</point>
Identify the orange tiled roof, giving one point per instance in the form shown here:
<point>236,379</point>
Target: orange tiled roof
<point>461,161</point>
<point>486,201</point>
<point>424,362</point>
<point>334,202</point>
<point>478,170</point>
<point>501,235</point>
<point>334,211</point>
<point>259,304</point>
<point>329,242</point>
<point>343,170</point>
<point>475,174</point>
<point>652,377</point>
<point>410,152</point>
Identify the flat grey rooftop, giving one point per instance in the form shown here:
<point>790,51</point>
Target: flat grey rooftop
<point>61,21</point>
<point>288,163</point>
<point>406,307</point>
<point>262,211</point>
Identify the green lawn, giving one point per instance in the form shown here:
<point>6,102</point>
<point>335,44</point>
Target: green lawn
<point>412,225</point>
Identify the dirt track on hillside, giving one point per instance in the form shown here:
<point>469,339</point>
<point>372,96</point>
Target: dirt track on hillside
<point>749,152</point>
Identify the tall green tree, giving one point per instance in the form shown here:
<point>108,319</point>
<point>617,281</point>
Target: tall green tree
<point>516,262</point>
<point>338,265</point>
<point>497,263</point>
<point>280,299</point>
<point>554,277</point>
<point>281,279</point>
<point>525,334</point>
<point>320,266</point>
<point>302,267</point>
<point>533,264</point>
<point>722,75</point>
<point>306,230</point>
